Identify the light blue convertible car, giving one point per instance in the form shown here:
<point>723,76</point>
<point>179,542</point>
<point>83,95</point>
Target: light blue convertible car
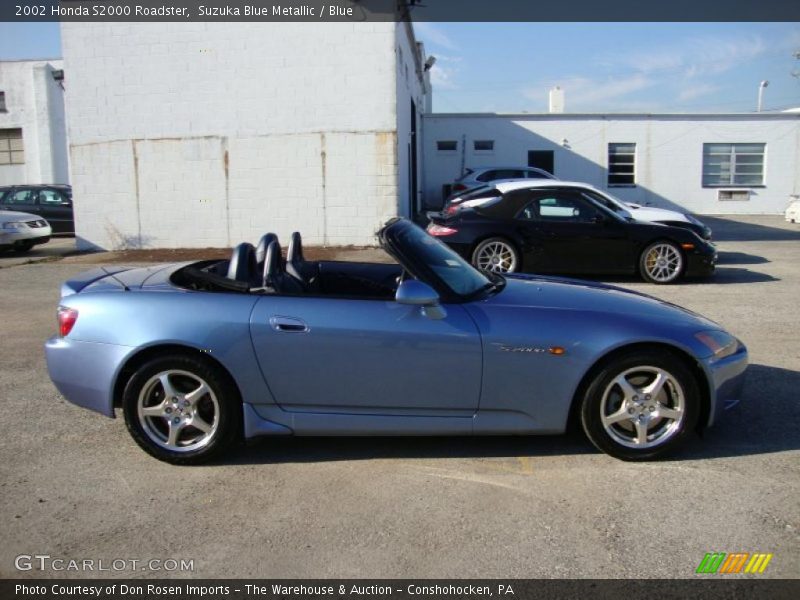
<point>201,355</point>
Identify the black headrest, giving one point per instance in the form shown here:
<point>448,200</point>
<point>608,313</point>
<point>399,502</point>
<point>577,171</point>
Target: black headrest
<point>261,249</point>
<point>242,265</point>
<point>295,252</point>
<point>273,265</point>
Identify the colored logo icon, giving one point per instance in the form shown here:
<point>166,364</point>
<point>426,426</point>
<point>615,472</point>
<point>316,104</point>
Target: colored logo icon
<point>737,562</point>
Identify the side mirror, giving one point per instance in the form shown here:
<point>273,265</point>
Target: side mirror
<point>415,293</point>
<point>599,220</point>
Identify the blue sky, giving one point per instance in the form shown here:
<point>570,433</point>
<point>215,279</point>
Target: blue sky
<point>603,67</point>
<point>614,67</point>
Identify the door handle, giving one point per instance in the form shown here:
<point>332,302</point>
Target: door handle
<point>288,324</point>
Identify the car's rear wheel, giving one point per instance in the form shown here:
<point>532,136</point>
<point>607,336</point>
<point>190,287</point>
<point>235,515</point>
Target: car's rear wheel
<point>661,262</point>
<point>496,254</point>
<point>182,409</point>
<point>641,405</point>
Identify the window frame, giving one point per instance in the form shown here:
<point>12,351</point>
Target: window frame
<point>732,162</point>
<point>489,150</point>
<point>452,150</point>
<point>7,135</point>
<point>610,173</point>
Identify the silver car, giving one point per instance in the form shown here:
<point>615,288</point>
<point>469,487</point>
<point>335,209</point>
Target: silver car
<point>21,231</point>
<point>477,176</point>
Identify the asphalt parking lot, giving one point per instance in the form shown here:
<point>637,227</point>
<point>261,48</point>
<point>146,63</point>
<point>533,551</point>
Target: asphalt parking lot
<point>74,485</point>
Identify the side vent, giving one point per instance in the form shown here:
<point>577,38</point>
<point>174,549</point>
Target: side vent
<point>736,195</point>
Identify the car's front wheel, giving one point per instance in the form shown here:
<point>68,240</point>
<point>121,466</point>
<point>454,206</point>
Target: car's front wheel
<point>661,262</point>
<point>496,254</point>
<point>182,409</point>
<point>21,247</point>
<point>641,405</point>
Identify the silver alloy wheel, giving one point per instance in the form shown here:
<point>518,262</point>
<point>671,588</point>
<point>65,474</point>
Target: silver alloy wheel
<point>643,407</point>
<point>497,256</point>
<point>178,411</point>
<point>663,262</point>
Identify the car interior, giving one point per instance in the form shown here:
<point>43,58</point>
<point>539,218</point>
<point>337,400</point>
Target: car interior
<point>262,269</point>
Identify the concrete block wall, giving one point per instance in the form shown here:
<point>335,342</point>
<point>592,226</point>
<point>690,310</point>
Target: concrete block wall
<point>231,130</point>
<point>35,104</point>
<point>669,153</point>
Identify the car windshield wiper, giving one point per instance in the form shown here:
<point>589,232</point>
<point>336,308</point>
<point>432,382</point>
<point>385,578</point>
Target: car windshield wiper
<point>492,286</point>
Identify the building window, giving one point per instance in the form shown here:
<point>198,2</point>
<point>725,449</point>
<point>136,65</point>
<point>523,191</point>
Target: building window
<point>11,149</point>
<point>483,145</point>
<point>446,146</point>
<point>733,164</point>
<point>621,164</point>
<point>3,102</point>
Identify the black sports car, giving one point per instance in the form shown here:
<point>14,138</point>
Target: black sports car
<point>562,230</point>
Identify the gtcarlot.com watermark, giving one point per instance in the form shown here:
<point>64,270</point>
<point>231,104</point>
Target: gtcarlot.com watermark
<point>46,562</point>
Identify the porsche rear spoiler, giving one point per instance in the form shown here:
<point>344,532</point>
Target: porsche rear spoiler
<point>82,280</point>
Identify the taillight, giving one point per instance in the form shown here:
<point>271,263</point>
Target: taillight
<point>66,320</point>
<point>452,209</point>
<point>459,187</point>
<point>440,230</point>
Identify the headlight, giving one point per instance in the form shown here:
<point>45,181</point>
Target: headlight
<point>14,225</point>
<point>720,343</point>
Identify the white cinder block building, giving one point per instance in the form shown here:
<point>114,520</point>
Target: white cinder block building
<point>703,163</point>
<point>197,135</point>
<point>33,144</point>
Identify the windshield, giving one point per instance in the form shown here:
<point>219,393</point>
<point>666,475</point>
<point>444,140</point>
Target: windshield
<point>610,202</point>
<point>456,273</point>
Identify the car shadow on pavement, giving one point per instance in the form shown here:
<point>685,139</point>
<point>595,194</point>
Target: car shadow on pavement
<point>333,449</point>
<point>740,258</point>
<point>722,275</point>
<point>729,230</point>
<point>765,421</point>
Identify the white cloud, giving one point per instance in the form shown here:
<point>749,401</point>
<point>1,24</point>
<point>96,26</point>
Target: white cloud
<point>696,90</point>
<point>445,72</point>
<point>584,93</point>
<point>432,35</point>
<point>680,71</point>
<point>695,57</point>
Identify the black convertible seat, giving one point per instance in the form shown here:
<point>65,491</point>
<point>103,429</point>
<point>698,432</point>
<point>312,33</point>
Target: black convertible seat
<point>242,266</point>
<point>263,244</point>
<point>298,267</point>
<point>275,277</point>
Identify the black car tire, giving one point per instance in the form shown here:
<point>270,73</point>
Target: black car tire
<point>22,247</point>
<point>673,267</point>
<point>611,418</point>
<point>505,247</point>
<point>220,409</point>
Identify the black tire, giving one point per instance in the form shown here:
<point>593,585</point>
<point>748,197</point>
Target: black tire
<point>647,270</point>
<point>510,248</point>
<point>23,247</point>
<point>619,439</point>
<point>221,406</point>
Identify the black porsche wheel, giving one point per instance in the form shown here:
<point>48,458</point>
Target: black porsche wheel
<point>641,405</point>
<point>496,254</point>
<point>661,262</point>
<point>182,410</point>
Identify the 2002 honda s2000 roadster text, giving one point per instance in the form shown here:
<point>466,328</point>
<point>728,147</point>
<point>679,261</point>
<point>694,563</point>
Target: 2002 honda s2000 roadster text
<point>200,355</point>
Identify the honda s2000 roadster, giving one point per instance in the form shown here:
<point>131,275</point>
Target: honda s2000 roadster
<point>201,355</point>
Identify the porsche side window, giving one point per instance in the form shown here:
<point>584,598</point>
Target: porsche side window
<point>557,208</point>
